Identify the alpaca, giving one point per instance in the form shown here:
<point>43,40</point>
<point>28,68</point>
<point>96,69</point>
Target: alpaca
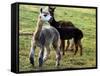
<point>61,24</point>
<point>43,37</point>
<point>67,33</point>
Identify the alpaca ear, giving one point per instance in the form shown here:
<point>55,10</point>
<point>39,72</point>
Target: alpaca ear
<point>41,10</point>
<point>52,7</point>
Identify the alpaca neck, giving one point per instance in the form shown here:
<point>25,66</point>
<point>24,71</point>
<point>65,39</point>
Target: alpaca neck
<point>54,23</point>
<point>38,29</point>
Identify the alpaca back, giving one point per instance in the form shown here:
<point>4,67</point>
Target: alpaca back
<point>48,35</point>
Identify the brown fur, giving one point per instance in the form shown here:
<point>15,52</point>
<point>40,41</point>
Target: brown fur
<point>66,24</point>
<point>62,24</point>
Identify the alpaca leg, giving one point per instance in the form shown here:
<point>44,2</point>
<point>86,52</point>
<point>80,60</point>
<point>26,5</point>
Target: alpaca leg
<point>58,55</point>
<point>71,45</point>
<point>62,46</point>
<point>76,47</point>
<point>81,48</point>
<point>68,43</point>
<point>31,55</point>
<point>41,54</point>
<point>47,53</point>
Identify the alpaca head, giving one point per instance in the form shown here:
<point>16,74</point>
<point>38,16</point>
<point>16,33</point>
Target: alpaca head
<point>44,14</point>
<point>51,10</point>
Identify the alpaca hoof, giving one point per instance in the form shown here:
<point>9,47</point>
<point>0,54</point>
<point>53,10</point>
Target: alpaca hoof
<point>40,62</point>
<point>32,61</point>
<point>57,65</point>
<point>44,59</point>
<point>71,50</point>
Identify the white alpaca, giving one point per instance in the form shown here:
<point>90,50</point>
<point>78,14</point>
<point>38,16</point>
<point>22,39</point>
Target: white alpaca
<point>43,37</point>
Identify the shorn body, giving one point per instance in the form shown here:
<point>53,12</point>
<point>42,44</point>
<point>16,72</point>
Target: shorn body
<point>43,37</point>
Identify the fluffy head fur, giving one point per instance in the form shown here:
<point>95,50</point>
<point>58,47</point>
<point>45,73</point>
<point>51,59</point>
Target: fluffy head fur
<point>44,14</point>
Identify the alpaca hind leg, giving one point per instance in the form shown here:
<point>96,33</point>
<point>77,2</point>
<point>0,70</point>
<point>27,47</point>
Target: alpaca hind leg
<point>41,54</point>
<point>46,53</point>
<point>76,46</point>
<point>71,47</point>
<point>58,54</point>
<point>81,48</point>
<point>62,46</point>
<point>68,43</point>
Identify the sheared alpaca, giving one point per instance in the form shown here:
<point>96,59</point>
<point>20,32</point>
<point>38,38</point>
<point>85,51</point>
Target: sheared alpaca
<point>42,38</point>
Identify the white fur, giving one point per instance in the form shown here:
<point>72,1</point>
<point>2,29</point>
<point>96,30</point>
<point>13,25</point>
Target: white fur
<point>45,18</point>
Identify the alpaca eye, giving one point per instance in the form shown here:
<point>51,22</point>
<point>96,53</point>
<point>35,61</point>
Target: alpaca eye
<point>45,15</point>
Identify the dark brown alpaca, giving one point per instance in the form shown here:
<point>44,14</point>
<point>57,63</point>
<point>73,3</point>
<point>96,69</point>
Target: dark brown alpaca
<point>62,24</point>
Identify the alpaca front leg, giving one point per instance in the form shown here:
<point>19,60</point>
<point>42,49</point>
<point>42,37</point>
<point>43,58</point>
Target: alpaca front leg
<point>31,55</point>
<point>46,53</point>
<point>71,47</point>
<point>41,54</point>
<point>67,45</point>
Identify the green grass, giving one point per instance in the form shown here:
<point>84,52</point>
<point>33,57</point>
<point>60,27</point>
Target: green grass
<point>83,18</point>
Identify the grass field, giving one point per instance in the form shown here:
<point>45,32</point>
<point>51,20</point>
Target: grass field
<point>83,18</point>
